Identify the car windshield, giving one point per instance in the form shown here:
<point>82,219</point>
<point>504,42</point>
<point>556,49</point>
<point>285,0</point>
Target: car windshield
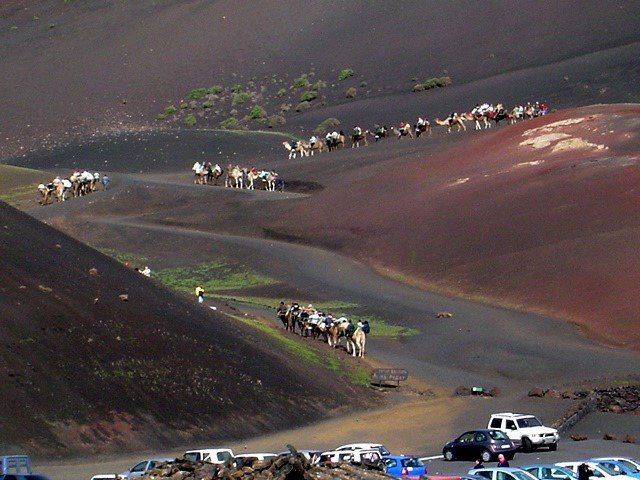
<point>383,450</point>
<point>608,470</point>
<point>629,465</point>
<point>529,422</point>
<point>498,435</point>
<point>521,475</point>
<point>412,462</point>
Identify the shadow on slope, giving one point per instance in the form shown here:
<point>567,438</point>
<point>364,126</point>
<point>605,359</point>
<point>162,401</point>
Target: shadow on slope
<point>87,371</point>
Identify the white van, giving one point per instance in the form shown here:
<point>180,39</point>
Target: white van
<point>365,446</point>
<point>211,455</point>
<point>356,456</point>
<point>248,458</point>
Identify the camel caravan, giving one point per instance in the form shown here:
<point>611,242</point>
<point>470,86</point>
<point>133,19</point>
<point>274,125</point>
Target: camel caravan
<point>311,323</point>
<point>77,185</point>
<point>482,116</point>
<point>236,177</point>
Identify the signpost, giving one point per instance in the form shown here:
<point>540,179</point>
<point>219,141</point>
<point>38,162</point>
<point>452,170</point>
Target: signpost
<point>380,375</point>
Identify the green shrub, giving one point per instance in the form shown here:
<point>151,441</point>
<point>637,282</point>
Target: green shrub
<point>240,98</point>
<point>282,92</point>
<point>161,116</point>
<point>432,83</point>
<point>318,85</point>
<point>301,82</point>
<point>326,125</point>
<point>184,105</point>
<point>190,120</point>
<point>257,112</point>
<point>215,90</point>
<point>197,93</point>
<point>207,104</point>
<point>170,110</point>
<point>236,88</point>
<point>345,73</point>
<point>276,121</point>
<point>230,123</point>
<point>302,106</point>
<point>308,96</point>
<point>350,93</point>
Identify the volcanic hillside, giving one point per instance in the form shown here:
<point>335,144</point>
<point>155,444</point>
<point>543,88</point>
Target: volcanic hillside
<point>86,370</point>
<point>541,215</point>
<point>76,68</point>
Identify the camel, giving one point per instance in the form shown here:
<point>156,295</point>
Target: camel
<point>379,132</point>
<point>421,128</point>
<point>477,118</point>
<point>355,343</point>
<point>499,114</point>
<point>450,122</point>
<point>318,146</point>
<point>357,138</point>
<point>269,180</point>
<point>336,330</point>
<point>403,131</point>
<point>213,174</point>
<point>234,175</point>
<point>295,148</point>
<point>45,191</point>
<point>334,143</point>
<point>252,174</point>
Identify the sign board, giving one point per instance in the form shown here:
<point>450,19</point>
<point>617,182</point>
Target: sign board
<point>380,375</point>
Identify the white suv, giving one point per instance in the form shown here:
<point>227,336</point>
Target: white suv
<point>525,431</point>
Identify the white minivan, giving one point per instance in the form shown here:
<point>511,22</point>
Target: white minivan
<point>211,455</point>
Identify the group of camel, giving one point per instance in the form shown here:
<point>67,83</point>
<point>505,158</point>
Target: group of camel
<point>236,176</point>
<point>314,324</point>
<point>482,118</point>
<point>78,184</point>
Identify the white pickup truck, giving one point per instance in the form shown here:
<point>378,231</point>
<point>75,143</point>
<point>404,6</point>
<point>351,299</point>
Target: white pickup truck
<point>525,431</point>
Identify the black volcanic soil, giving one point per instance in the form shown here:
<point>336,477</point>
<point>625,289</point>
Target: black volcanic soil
<point>84,371</point>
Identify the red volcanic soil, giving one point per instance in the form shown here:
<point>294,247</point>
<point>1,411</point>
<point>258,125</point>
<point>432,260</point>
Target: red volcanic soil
<point>85,372</point>
<point>543,215</point>
<point>77,68</point>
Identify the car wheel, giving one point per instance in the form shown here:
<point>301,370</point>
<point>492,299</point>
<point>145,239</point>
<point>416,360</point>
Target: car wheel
<point>527,446</point>
<point>448,455</point>
<point>486,456</point>
<point>553,447</point>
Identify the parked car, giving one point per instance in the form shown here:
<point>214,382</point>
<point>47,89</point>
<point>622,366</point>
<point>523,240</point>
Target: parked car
<point>525,431</point>
<point>211,455</point>
<point>618,467</point>
<point>370,456</point>
<point>248,458</point>
<point>141,468</point>
<point>502,473</point>
<point>484,443</point>
<point>365,446</point>
<point>632,463</point>
<point>401,466</point>
<point>23,476</point>
<point>15,464</point>
<point>550,472</point>
<point>598,471</point>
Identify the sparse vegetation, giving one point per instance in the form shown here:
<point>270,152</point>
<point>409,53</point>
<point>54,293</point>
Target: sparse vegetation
<point>350,93</point>
<point>432,83</point>
<point>276,121</point>
<point>302,106</point>
<point>345,73</point>
<point>214,276</point>
<point>207,104</point>
<point>197,93</point>
<point>240,98</point>
<point>169,110</point>
<point>257,112</point>
<point>281,93</point>
<point>214,90</point>
<point>301,82</point>
<point>326,125</point>
<point>230,123</point>
<point>308,96</point>
<point>190,120</point>
<point>318,85</point>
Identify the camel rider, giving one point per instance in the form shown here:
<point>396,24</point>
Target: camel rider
<point>421,122</point>
<point>357,131</point>
<point>350,330</point>
<point>476,110</point>
<point>200,294</point>
<point>196,167</point>
<point>313,140</point>
<point>365,327</point>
